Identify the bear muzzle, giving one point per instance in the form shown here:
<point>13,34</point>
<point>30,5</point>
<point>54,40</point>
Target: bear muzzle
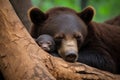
<point>69,50</point>
<point>45,47</point>
<point>71,56</point>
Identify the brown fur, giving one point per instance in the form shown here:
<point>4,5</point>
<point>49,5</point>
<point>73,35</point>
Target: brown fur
<point>114,21</point>
<point>107,37</point>
<point>98,44</point>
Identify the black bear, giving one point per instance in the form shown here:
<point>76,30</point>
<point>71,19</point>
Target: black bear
<point>77,38</point>
<point>46,42</point>
<point>114,21</point>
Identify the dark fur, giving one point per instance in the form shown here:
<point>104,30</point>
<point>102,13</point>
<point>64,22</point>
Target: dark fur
<point>1,76</point>
<point>104,39</point>
<point>46,40</point>
<point>51,46</point>
<point>99,44</point>
<point>97,58</point>
<point>114,21</point>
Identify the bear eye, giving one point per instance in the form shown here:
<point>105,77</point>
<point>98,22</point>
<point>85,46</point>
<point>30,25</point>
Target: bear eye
<point>77,36</point>
<point>40,43</point>
<point>49,43</point>
<point>61,36</point>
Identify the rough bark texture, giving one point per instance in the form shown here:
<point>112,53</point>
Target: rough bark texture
<point>21,8</point>
<point>22,59</point>
<point>17,61</point>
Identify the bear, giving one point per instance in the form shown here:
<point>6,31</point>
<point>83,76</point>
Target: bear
<point>114,21</point>
<point>46,42</point>
<point>78,38</point>
<point>1,76</point>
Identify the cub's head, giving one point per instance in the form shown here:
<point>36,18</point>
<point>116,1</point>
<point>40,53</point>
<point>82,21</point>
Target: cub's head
<point>46,42</point>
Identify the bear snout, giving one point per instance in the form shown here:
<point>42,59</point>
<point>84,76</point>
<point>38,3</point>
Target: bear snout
<point>69,50</point>
<point>45,47</point>
<point>71,56</point>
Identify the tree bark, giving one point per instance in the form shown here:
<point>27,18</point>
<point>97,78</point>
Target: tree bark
<point>17,61</point>
<point>22,59</point>
<point>21,8</point>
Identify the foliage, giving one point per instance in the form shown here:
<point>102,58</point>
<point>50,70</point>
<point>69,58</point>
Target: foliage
<point>105,9</point>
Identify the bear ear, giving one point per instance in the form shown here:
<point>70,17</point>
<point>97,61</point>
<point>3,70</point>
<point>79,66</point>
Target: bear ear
<point>36,15</point>
<point>87,14</point>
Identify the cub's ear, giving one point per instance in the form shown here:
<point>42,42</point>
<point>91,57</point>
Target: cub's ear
<point>36,15</point>
<point>87,14</point>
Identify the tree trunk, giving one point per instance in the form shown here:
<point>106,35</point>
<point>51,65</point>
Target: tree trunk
<point>22,59</point>
<point>21,7</point>
<point>17,61</point>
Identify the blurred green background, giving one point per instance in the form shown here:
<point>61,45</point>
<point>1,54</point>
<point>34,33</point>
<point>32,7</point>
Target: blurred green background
<point>105,9</point>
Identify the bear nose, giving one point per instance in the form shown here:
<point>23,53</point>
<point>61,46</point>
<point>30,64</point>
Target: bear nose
<point>46,48</point>
<point>71,56</point>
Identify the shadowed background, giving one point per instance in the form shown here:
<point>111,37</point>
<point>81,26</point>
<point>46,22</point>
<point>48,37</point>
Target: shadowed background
<point>105,9</point>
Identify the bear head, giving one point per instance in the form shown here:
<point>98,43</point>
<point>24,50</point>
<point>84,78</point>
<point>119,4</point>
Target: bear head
<point>66,26</point>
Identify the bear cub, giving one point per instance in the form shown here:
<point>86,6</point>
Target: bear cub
<point>46,42</point>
